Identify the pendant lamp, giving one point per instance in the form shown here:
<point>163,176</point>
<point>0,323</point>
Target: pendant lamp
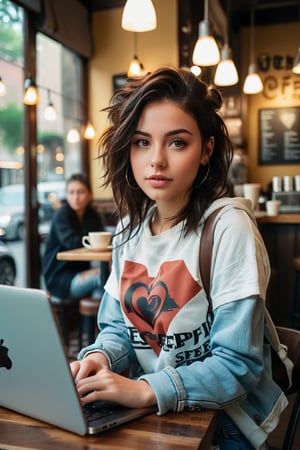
<point>31,96</point>
<point>206,52</point>
<point>50,111</point>
<point>253,83</point>
<point>139,16</point>
<point>136,68</point>
<point>226,73</point>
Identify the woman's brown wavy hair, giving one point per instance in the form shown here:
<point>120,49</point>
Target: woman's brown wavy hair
<point>194,97</point>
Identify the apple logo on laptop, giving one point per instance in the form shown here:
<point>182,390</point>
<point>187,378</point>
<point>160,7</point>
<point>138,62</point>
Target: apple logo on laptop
<point>5,360</point>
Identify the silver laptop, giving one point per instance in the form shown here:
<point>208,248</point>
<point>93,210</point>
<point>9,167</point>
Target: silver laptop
<point>35,377</point>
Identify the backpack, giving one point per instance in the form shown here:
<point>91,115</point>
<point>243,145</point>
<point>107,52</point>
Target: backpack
<point>282,366</point>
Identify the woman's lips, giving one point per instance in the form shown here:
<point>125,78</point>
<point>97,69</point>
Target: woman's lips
<point>158,181</point>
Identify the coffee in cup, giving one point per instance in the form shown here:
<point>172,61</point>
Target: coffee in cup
<point>97,240</point>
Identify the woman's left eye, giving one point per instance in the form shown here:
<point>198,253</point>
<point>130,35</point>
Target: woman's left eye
<point>178,143</point>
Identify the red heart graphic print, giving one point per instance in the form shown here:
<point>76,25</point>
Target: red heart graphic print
<point>151,303</point>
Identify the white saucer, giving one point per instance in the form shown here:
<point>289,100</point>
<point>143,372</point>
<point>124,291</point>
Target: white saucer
<point>101,249</point>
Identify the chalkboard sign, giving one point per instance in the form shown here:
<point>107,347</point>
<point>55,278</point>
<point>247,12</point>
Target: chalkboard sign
<point>279,136</point>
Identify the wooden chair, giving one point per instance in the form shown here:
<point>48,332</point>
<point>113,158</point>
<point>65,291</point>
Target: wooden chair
<point>291,338</point>
<point>88,311</point>
<point>65,308</point>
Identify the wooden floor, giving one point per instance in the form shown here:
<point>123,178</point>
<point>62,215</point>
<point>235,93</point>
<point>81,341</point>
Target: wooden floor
<point>276,438</point>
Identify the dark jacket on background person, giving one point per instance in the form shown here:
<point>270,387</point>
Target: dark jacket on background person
<point>66,234</point>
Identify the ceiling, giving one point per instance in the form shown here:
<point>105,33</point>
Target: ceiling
<point>266,11</point>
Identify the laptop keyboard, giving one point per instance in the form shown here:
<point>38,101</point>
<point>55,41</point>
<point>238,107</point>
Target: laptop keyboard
<point>94,412</point>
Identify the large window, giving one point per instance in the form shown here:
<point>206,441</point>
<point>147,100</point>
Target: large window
<point>59,83</point>
<point>37,155</point>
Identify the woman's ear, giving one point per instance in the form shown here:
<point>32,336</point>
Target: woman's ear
<point>208,149</point>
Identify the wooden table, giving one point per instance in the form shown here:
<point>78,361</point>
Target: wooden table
<point>86,254</point>
<point>173,431</point>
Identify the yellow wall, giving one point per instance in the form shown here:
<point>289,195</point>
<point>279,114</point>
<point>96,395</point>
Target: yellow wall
<point>273,40</point>
<point>113,50</point>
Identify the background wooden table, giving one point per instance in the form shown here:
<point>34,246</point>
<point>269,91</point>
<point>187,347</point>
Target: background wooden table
<point>173,431</point>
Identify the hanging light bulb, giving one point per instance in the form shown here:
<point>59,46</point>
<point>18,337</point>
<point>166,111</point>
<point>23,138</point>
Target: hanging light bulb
<point>196,70</point>
<point>136,68</point>
<point>226,73</point>
<point>139,15</point>
<point>2,88</point>
<point>31,96</point>
<point>253,83</point>
<point>73,135</point>
<point>89,132</point>
<point>206,52</point>
<point>50,111</point>
<point>296,66</point>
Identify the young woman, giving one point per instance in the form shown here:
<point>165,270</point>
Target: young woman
<point>73,220</point>
<point>166,155</point>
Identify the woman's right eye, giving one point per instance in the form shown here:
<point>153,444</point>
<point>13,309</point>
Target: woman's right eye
<point>141,142</point>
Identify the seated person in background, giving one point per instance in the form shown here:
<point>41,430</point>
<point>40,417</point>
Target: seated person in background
<point>73,220</point>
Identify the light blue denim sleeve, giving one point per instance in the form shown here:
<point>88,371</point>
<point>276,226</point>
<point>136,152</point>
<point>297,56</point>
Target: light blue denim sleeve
<point>113,340</point>
<point>233,369</point>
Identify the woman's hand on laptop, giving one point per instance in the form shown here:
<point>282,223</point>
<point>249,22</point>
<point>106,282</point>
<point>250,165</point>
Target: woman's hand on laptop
<point>95,381</point>
<point>107,385</point>
<point>88,366</point>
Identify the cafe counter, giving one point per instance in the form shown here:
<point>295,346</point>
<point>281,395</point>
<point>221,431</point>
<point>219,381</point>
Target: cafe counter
<point>281,234</point>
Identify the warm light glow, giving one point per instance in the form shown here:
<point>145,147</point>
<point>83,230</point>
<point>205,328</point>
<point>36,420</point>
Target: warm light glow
<point>135,68</point>
<point>139,15</point>
<point>73,136</point>
<point>196,70</point>
<point>59,157</point>
<point>59,170</point>
<point>296,66</point>
<point>50,112</point>
<point>89,132</point>
<point>206,52</point>
<point>2,88</point>
<point>31,96</point>
<point>253,83</point>
<point>226,73</point>
<point>40,149</point>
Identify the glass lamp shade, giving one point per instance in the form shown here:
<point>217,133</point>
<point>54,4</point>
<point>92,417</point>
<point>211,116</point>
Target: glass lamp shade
<point>206,52</point>
<point>31,96</point>
<point>253,83</point>
<point>296,66</point>
<point>2,88</point>
<point>50,112</point>
<point>139,15</point>
<point>226,73</point>
<point>89,132</point>
<point>135,68</point>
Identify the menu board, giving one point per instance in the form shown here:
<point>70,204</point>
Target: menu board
<point>279,136</point>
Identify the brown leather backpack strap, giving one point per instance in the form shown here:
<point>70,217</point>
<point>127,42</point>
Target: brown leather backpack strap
<point>205,252</point>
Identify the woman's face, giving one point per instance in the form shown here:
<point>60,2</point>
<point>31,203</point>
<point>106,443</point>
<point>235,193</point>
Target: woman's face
<point>166,153</point>
<point>78,196</point>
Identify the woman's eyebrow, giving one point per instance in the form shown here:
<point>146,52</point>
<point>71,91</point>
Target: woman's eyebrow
<point>169,133</point>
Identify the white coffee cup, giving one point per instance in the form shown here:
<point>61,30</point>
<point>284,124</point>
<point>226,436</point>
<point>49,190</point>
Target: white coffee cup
<point>273,207</point>
<point>252,191</point>
<point>97,239</point>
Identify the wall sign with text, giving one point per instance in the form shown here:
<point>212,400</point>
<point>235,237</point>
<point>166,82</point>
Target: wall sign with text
<point>279,136</point>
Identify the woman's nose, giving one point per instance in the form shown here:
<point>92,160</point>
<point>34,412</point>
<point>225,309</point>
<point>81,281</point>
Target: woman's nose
<point>158,159</point>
